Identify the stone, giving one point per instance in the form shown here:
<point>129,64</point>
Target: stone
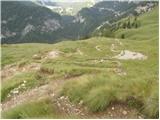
<point>140,117</point>
<point>124,112</point>
<point>112,108</point>
<point>36,56</point>
<point>62,97</point>
<point>9,95</point>
<point>58,104</point>
<point>52,95</point>
<point>15,92</point>
<point>81,102</point>
<point>23,85</point>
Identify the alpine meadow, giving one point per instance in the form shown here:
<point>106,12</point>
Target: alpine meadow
<point>79,59</point>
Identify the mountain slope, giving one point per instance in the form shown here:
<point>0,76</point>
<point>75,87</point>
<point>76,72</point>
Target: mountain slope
<point>148,23</point>
<point>95,78</point>
<point>24,21</point>
<point>129,22</point>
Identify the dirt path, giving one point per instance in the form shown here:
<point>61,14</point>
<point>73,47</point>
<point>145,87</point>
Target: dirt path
<point>29,95</point>
<point>47,90</point>
<point>114,46</point>
<point>79,52</point>
<point>126,55</point>
<point>98,48</point>
<point>10,70</point>
<point>119,42</point>
<point>63,103</point>
<point>118,70</point>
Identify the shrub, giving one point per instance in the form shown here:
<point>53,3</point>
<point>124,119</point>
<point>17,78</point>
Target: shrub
<point>123,36</point>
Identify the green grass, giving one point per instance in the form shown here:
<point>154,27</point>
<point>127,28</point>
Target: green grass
<point>149,23</point>
<point>32,79</point>
<point>37,109</point>
<point>141,81</point>
<point>96,83</point>
<point>11,54</point>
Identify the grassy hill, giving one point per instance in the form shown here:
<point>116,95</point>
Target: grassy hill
<point>84,72</point>
<point>149,23</point>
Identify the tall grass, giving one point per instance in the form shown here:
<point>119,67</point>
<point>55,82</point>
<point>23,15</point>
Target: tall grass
<point>32,79</point>
<point>37,109</point>
<point>98,92</point>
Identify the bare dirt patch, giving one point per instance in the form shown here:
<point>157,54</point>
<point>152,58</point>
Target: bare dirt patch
<point>10,70</point>
<point>126,55</point>
<point>53,54</point>
<point>113,111</point>
<point>117,110</point>
<point>79,52</point>
<point>47,90</point>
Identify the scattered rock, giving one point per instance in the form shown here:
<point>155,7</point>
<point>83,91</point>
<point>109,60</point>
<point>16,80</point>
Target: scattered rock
<point>53,54</point>
<point>62,97</point>
<point>23,85</point>
<point>112,108</point>
<point>97,48</point>
<point>66,98</point>
<point>126,55</point>
<point>15,92</point>
<point>81,102</point>
<point>140,117</point>
<point>36,56</point>
<point>52,94</point>
<point>58,104</point>
<point>124,112</point>
<point>101,61</point>
<point>9,95</point>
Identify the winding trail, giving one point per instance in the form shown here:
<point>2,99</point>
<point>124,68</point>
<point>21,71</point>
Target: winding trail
<point>63,104</point>
<point>10,70</point>
<point>79,52</point>
<point>37,93</point>
<point>118,70</point>
<point>112,48</point>
<point>97,48</point>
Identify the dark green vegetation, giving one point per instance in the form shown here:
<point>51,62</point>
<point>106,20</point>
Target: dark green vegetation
<point>31,78</point>
<point>130,23</point>
<point>89,63</point>
<point>27,22</point>
<point>140,83</point>
<point>24,21</point>
<point>39,109</point>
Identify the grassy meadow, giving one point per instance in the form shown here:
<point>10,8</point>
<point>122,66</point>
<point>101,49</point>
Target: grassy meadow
<point>94,79</point>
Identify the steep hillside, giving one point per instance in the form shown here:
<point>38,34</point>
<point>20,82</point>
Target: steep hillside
<point>148,24</point>
<point>24,21</point>
<point>102,15</point>
<point>95,78</point>
<point>131,22</point>
<point>65,7</point>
